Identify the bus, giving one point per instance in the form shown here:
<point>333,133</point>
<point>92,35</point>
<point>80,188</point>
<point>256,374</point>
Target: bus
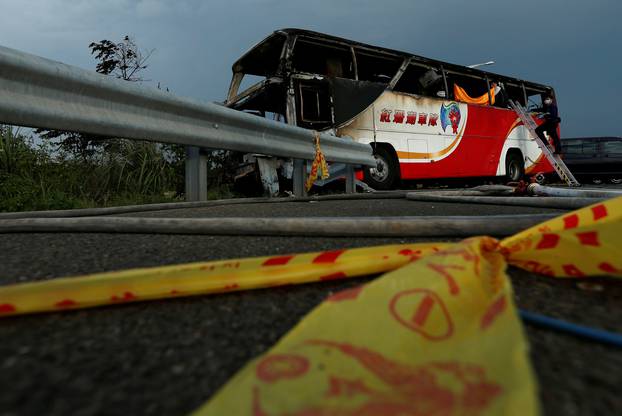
<point>425,119</point>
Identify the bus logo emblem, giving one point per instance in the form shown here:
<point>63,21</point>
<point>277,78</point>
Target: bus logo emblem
<point>450,115</point>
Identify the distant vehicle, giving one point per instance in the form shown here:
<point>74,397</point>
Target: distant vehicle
<point>596,159</point>
<point>424,118</point>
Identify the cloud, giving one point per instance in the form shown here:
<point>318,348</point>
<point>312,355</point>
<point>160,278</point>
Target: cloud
<point>151,8</point>
<point>569,44</point>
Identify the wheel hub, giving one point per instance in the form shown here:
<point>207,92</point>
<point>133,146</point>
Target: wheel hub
<point>513,170</point>
<point>381,172</point>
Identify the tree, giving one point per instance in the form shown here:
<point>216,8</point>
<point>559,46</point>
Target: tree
<point>123,60</point>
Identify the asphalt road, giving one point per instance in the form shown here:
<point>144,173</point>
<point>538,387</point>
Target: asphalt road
<point>168,357</point>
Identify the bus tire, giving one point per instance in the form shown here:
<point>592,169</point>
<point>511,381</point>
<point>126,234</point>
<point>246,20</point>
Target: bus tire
<point>514,166</point>
<point>386,173</point>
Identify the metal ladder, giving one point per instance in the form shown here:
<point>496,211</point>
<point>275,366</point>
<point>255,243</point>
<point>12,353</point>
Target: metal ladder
<point>556,161</point>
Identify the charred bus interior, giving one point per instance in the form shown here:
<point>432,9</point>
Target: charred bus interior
<point>322,82</point>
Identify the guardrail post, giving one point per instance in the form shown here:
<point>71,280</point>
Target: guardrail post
<point>298,177</point>
<point>350,179</point>
<point>196,174</point>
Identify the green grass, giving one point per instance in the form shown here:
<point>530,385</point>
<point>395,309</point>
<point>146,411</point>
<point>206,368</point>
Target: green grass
<point>37,177</point>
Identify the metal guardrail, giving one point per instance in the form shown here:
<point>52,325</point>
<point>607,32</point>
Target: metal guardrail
<point>38,92</point>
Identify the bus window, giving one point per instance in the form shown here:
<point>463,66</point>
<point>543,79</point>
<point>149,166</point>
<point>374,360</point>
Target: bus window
<point>314,107</point>
<point>534,100</point>
<point>467,88</point>
<point>249,80</point>
<point>504,92</point>
<point>500,92</point>
<point>421,80</point>
<point>514,93</point>
<point>331,60</point>
<point>376,68</point>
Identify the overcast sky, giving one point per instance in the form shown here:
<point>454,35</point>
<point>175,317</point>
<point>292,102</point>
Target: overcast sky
<point>573,45</point>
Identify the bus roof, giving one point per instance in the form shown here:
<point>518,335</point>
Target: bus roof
<point>263,59</point>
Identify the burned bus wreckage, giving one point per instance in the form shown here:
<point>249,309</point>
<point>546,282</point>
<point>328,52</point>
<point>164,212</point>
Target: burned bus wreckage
<point>424,118</point>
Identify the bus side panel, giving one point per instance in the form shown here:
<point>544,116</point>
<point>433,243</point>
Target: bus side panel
<point>424,132</point>
<point>436,138</point>
<point>489,134</point>
<point>485,135</point>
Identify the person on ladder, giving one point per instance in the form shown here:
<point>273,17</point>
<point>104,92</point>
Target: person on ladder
<point>551,121</point>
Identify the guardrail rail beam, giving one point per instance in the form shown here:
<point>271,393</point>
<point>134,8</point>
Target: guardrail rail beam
<point>38,92</point>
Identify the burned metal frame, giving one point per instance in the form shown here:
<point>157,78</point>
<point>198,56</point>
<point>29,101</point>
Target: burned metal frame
<point>282,45</point>
<point>253,89</point>
<point>399,73</point>
<point>285,71</point>
<point>354,64</point>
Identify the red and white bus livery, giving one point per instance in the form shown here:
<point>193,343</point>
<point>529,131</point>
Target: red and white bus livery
<point>424,118</point>
<point>433,138</point>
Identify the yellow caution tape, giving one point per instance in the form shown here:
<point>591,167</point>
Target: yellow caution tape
<point>203,278</point>
<point>319,163</point>
<point>437,335</point>
<point>587,242</point>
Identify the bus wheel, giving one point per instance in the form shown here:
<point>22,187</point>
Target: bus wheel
<point>385,174</point>
<point>514,167</point>
<point>616,181</point>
